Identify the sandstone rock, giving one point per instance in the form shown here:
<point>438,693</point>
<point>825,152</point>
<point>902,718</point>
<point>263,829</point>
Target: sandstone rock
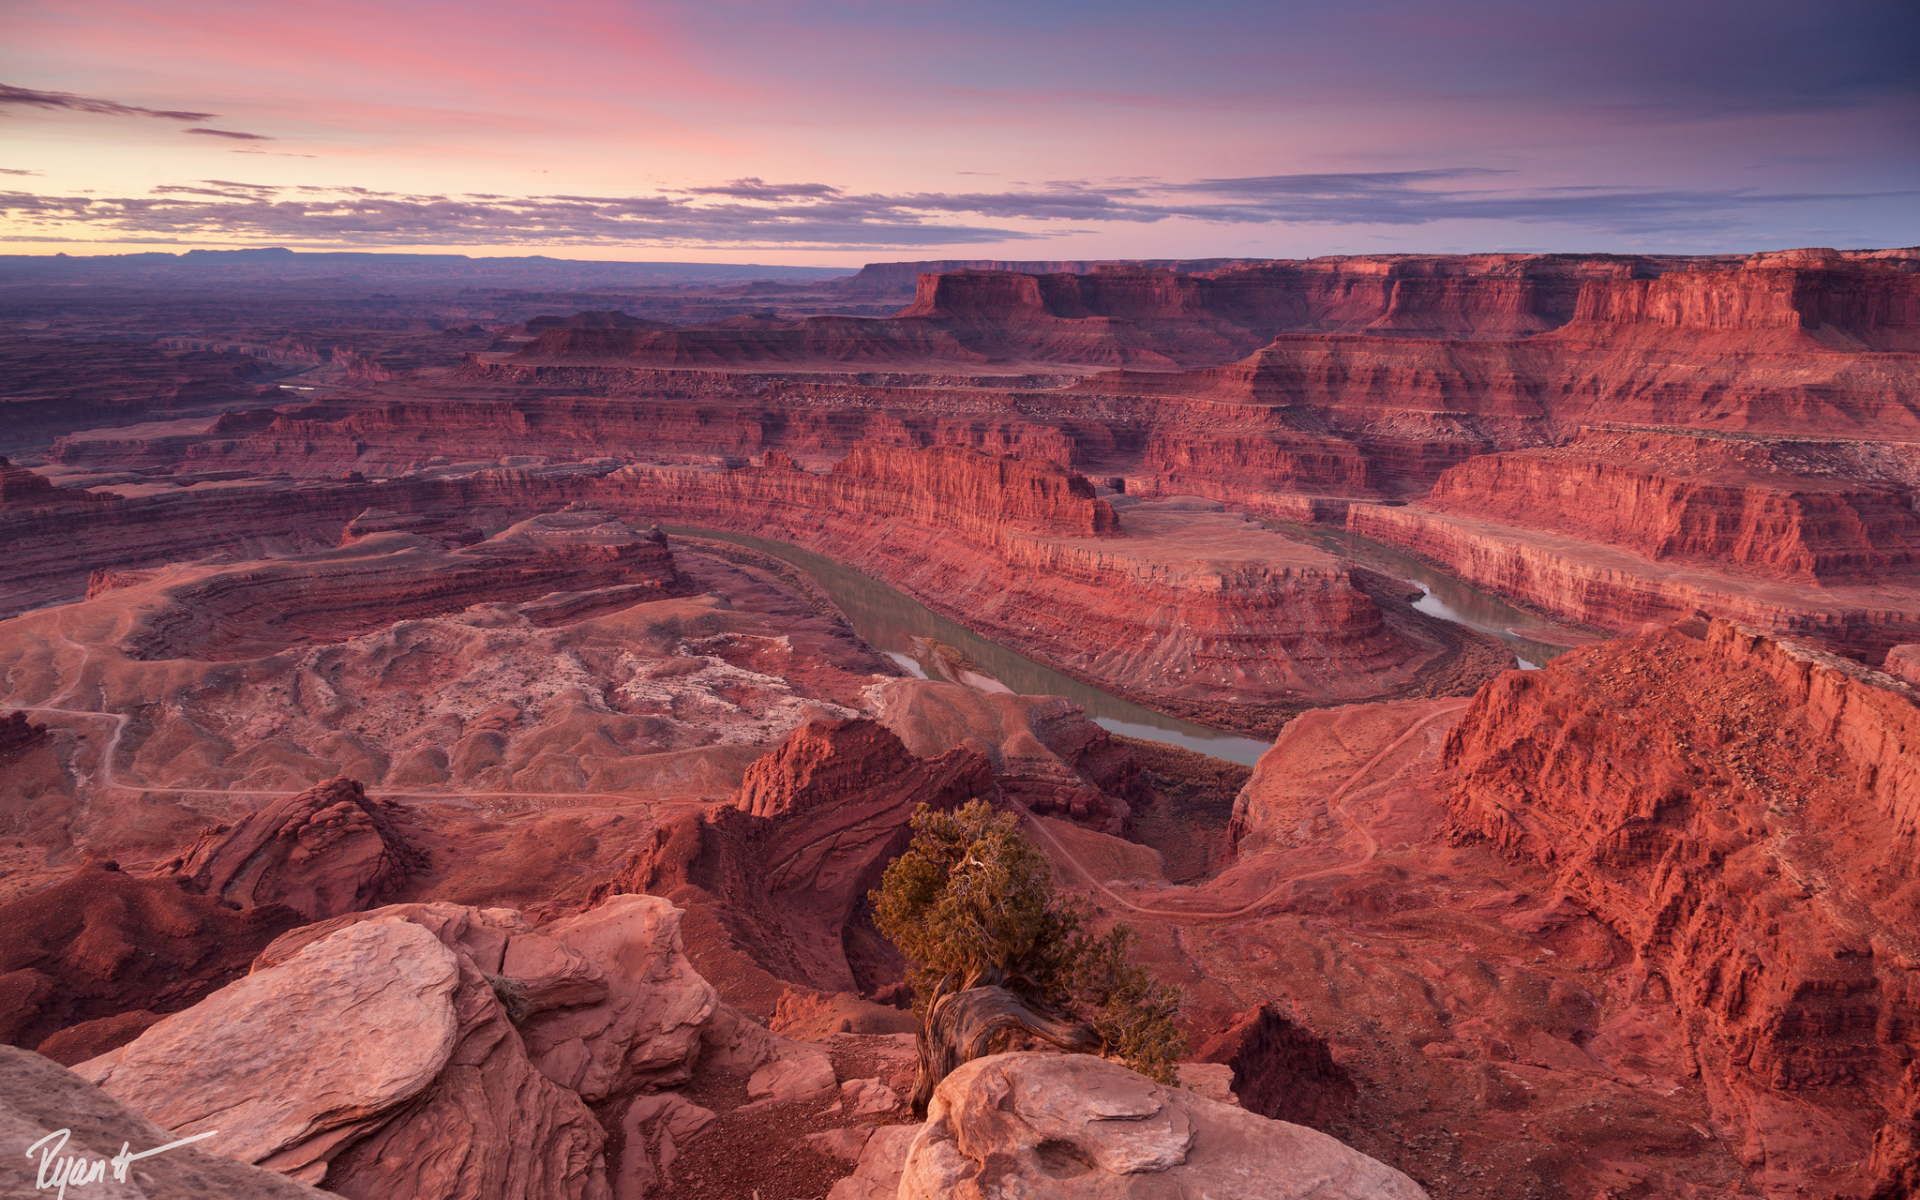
<point>1734,779</point>
<point>883,1160</point>
<point>91,1039</point>
<point>38,1099</point>
<point>373,1005</point>
<point>1787,511</point>
<point>604,1000</point>
<point>655,1127</point>
<point>1281,1070</point>
<point>1075,1125</point>
<point>1211,1080</point>
<point>100,944</point>
<point>843,1144</point>
<point>798,1072</point>
<point>868,1097</point>
<point>806,1015</point>
<point>779,872</point>
<point>375,1059</point>
<point>647,1030</point>
<point>1617,589</point>
<point>326,851</point>
<point>1903,663</point>
<point>1045,752</point>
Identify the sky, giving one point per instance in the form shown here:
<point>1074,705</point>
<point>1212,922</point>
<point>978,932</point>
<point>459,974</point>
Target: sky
<point>834,134</point>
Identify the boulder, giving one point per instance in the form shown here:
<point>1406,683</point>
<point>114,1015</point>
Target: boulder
<point>883,1159</point>
<point>346,1031</point>
<point>797,1072</point>
<point>376,1059</point>
<point>1074,1125</point>
<point>655,1128</point>
<point>39,1099</point>
<point>868,1097</point>
<point>646,1031</point>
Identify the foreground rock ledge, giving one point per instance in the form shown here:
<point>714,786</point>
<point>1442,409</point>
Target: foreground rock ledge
<point>1036,1124</point>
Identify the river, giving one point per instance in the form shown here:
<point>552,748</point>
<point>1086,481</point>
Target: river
<point>909,632</point>
<point>1446,597</point>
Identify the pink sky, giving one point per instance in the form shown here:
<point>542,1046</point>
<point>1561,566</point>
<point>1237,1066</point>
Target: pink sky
<point>602,130</point>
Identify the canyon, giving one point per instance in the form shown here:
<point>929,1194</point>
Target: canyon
<point>427,656</point>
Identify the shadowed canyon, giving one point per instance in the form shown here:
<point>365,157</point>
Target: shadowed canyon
<point>465,719</point>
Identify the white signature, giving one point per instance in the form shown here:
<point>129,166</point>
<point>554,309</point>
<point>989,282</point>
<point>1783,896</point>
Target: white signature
<point>78,1172</point>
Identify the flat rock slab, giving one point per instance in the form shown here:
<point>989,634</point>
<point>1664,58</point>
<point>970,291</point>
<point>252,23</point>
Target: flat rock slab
<point>353,1025</point>
<point>39,1097</point>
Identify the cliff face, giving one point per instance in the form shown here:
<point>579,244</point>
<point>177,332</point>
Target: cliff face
<point>1612,588</point>
<point>1743,813</point>
<point>1713,501</point>
<point>1175,604</point>
<point>156,524</point>
<point>980,494</point>
<point>1140,314</point>
<point>773,879</point>
<point>1844,308</point>
<point>21,488</point>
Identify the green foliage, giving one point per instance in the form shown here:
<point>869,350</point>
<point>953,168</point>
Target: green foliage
<point>971,904</point>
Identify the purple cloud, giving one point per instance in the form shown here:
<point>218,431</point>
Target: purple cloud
<point>67,100</point>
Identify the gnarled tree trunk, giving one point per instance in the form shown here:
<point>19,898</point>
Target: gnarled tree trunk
<point>962,1026</point>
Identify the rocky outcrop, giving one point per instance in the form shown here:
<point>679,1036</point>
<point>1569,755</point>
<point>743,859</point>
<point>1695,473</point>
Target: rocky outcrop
<point>21,488</point>
<point>326,851</point>
<point>1281,1069</point>
<point>1045,753</point>
<point>1074,1125</point>
<point>1741,812</point>
<point>62,1123</point>
<point>502,1031</point>
<point>18,735</point>
<point>1322,761</point>
<point>375,1060</point>
<point>773,880</point>
<point>605,1001</point>
<point>100,945</point>
<point>645,1030</point>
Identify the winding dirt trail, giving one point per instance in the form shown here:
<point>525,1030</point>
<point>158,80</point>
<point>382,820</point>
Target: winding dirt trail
<point>1371,843</point>
<point>110,779</point>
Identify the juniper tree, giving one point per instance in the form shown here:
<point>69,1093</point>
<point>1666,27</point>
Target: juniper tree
<point>994,952</point>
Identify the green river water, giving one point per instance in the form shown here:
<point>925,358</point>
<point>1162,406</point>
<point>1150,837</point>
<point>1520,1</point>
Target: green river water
<point>891,621</point>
